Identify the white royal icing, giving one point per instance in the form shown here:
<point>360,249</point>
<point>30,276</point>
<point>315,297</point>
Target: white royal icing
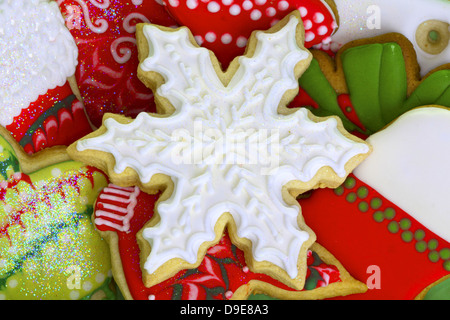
<point>409,166</point>
<point>213,168</point>
<point>37,53</point>
<point>369,18</point>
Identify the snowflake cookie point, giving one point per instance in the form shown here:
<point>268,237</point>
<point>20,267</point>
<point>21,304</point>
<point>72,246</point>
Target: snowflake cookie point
<point>227,151</point>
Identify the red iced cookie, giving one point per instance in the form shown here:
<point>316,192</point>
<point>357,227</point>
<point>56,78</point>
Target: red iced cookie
<point>104,33</point>
<point>379,243</point>
<point>389,222</point>
<point>56,118</point>
<point>224,26</point>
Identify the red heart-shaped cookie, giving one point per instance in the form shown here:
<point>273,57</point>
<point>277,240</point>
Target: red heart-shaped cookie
<point>224,26</point>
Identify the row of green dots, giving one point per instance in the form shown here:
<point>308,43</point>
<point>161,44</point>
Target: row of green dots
<point>349,183</point>
<point>421,245</point>
<point>361,193</point>
<point>387,214</point>
<point>394,226</point>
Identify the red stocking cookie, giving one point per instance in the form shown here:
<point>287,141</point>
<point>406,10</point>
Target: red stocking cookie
<point>395,205</point>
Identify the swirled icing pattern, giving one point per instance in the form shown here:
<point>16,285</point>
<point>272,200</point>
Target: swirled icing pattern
<point>27,70</point>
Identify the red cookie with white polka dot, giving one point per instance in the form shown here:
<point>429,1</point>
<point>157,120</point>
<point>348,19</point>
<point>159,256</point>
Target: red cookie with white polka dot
<point>224,26</point>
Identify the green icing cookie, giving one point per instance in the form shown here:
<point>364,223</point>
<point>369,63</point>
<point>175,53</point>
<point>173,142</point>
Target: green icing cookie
<point>377,80</point>
<point>49,248</point>
<point>441,291</point>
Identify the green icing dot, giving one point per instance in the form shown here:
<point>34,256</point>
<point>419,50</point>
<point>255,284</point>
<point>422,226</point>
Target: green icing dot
<point>393,227</point>
<point>405,224</point>
<point>407,236</point>
<point>339,191</point>
<point>376,203</point>
<point>350,183</point>
<point>445,253</point>
<point>351,197</point>
<point>363,206</point>
<point>389,213</point>
<point>419,234</point>
<point>433,244</point>
<point>378,216</point>
<point>362,192</point>
<point>348,109</point>
<point>433,256</point>
<point>421,246</point>
<point>446,265</point>
<point>434,36</point>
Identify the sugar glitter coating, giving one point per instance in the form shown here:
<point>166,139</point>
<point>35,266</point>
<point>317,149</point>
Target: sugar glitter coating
<point>45,230</point>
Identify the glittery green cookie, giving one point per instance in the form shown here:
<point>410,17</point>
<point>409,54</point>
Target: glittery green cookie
<point>49,248</point>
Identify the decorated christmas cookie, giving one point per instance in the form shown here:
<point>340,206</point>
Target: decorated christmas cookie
<point>225,151</point>
<point>395,204</point>
<point>370,83</point>
<point>223,274</point>
<point>424,129</point>
<point>424,22</point>
<point>38,58</point>
<point>225,26</point>
<point>104,32</point>
<point>49,248</point>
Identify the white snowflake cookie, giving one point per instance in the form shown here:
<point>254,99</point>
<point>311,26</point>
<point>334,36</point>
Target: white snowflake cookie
<point>225,152</point>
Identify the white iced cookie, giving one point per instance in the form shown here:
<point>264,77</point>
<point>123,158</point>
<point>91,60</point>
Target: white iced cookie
<point>409,166</point>
<point>37,53</point>
<point>230,154</point>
